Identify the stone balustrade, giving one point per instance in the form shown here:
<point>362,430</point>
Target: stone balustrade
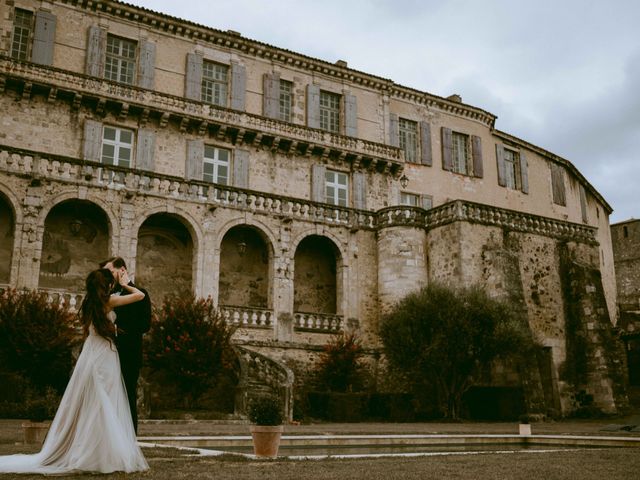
<point>67,169</point>
<point>64,298</point>
<point>84,85</point>
<point>317,322</point>
<point>246,317</point>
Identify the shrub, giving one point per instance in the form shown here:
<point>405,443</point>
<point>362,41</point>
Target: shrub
<point>339,368</point>
<point>37,339</point>
<point>265,410</point>
<point>189,346</point>
<point>444,338</point>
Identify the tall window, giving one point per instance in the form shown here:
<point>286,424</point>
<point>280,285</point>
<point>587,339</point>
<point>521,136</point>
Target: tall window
<point>286,100</point>
<point>461,158</point>
<point>329,111</point>
<point>120,64</point>
<point>215,83</point>
<point>512,169</point>
<point>22,26</point>
<point>336,188</point>
<point>117,145</point>
<point>408,133</point>
<point>216,165</point>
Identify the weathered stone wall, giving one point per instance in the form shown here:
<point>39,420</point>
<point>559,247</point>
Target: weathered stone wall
<point>626,250</point>
<point>6,239</point>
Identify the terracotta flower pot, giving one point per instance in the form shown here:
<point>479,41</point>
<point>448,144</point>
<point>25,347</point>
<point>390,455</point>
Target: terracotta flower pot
<point>35,432</point>
<point>266,440</point>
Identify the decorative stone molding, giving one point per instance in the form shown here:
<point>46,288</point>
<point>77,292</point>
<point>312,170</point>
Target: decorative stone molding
<point>243,127</point>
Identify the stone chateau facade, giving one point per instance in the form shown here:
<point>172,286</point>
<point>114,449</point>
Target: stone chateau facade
<point>303,196</point>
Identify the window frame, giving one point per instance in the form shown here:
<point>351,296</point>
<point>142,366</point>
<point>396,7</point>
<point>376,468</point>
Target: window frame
<point>512,169</point>
<point>216,163</point>
<point>285,100</point>
<point>219,88</point>
<point>117,145</point>
<point>329,111</point>
<point>337,187</point>
<point>411,152</point>
<point>455,153</point>
<point>410,195</point>
<point>24,49</point>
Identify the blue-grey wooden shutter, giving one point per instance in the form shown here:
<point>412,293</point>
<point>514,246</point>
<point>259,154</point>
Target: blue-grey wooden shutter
<point>147,64</point>
<point>350,115</point>
<point>476,154</point>
<point>195,159</point>
<point>502,173</point>
<point>271,95</point>
<point>238,85</point>
<point>524,173</point>
<point>145,149</point>
<point>394,132</point>
<point>96,51</point>
<point>193,78</point>
<point>360,190</point>
<point>318,183</point>
<point>43,38</point>
<point>241,168</point>
<point>447,149</point>
<point>557,184</point>
<point>583,204</point>
<point>425,144</point>
<point>92,141</point>
<point>313,106</point>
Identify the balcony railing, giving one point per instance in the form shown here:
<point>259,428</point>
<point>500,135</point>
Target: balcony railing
<point>317,322</point>
<point>246,317</point>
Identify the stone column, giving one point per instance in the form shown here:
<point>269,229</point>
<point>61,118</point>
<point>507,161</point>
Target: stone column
<point>283,299</point>
<point>29,236</point>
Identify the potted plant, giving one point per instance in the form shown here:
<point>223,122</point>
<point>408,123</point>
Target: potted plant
<point>524,428</point>
<point>39,411</point>
<point>265,412</point>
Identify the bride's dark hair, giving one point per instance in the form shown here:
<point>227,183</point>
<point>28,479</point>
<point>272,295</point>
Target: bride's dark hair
<point>94,305</point>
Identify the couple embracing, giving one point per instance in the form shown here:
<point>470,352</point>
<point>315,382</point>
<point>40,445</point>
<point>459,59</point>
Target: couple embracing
<point>94,429</point>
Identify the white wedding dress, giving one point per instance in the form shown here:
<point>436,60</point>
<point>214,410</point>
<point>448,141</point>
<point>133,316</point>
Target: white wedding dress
<point>92,430</point>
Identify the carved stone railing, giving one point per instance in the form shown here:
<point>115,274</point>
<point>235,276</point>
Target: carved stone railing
<point>247,317</point>
<point>317,322</point>
<point>400,215</point>
<point>62,297</point>
<point>260,374</point>
<point>84,85</point>
<point>38,165</point>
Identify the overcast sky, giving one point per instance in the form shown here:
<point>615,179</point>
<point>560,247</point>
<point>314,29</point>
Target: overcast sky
<point>561,74</point>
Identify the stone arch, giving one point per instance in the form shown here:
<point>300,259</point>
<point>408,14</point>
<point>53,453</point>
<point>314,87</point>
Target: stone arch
<point>10,220</point>
<point>165,254</point>
<point>75,239</point>
<point>246,257</point>
<point>318,279</point>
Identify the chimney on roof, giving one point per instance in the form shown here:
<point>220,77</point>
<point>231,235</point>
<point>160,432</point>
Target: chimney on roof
<point>342,63</point>
<point>234,33</point>
<point>455,98</point>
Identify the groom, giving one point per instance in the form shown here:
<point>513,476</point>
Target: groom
<point>132,321</point>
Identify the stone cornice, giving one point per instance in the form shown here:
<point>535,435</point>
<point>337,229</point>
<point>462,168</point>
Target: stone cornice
<point>248,128</point>
<point>231,40</point>
<point>557,159</point>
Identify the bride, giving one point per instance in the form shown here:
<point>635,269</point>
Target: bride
<point>92,430</point>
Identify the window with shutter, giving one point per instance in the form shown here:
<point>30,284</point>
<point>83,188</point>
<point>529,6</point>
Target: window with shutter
<point>117,146</point>
<point>408,139</point>
<point>216,164</point>
<point>285,100</point>
<point>120,61</point>
<point>215,83</point>
<point>22,31</point>
<point>336,188</point>
<point>557,185</point>
<point>410,199</point>
<point>460,153</point>
<point>330,111</point>
<point>43,38</point>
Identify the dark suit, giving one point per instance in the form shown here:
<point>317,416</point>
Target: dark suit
<point>132,321</point>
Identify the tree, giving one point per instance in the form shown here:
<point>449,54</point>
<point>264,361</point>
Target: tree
<point>446,337</point>
<point>190,345</point>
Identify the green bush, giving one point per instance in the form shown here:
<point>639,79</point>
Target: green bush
<point>443,338</point>
<point>37,339</point>
<point>265,410</point>
<point>189,347</point>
